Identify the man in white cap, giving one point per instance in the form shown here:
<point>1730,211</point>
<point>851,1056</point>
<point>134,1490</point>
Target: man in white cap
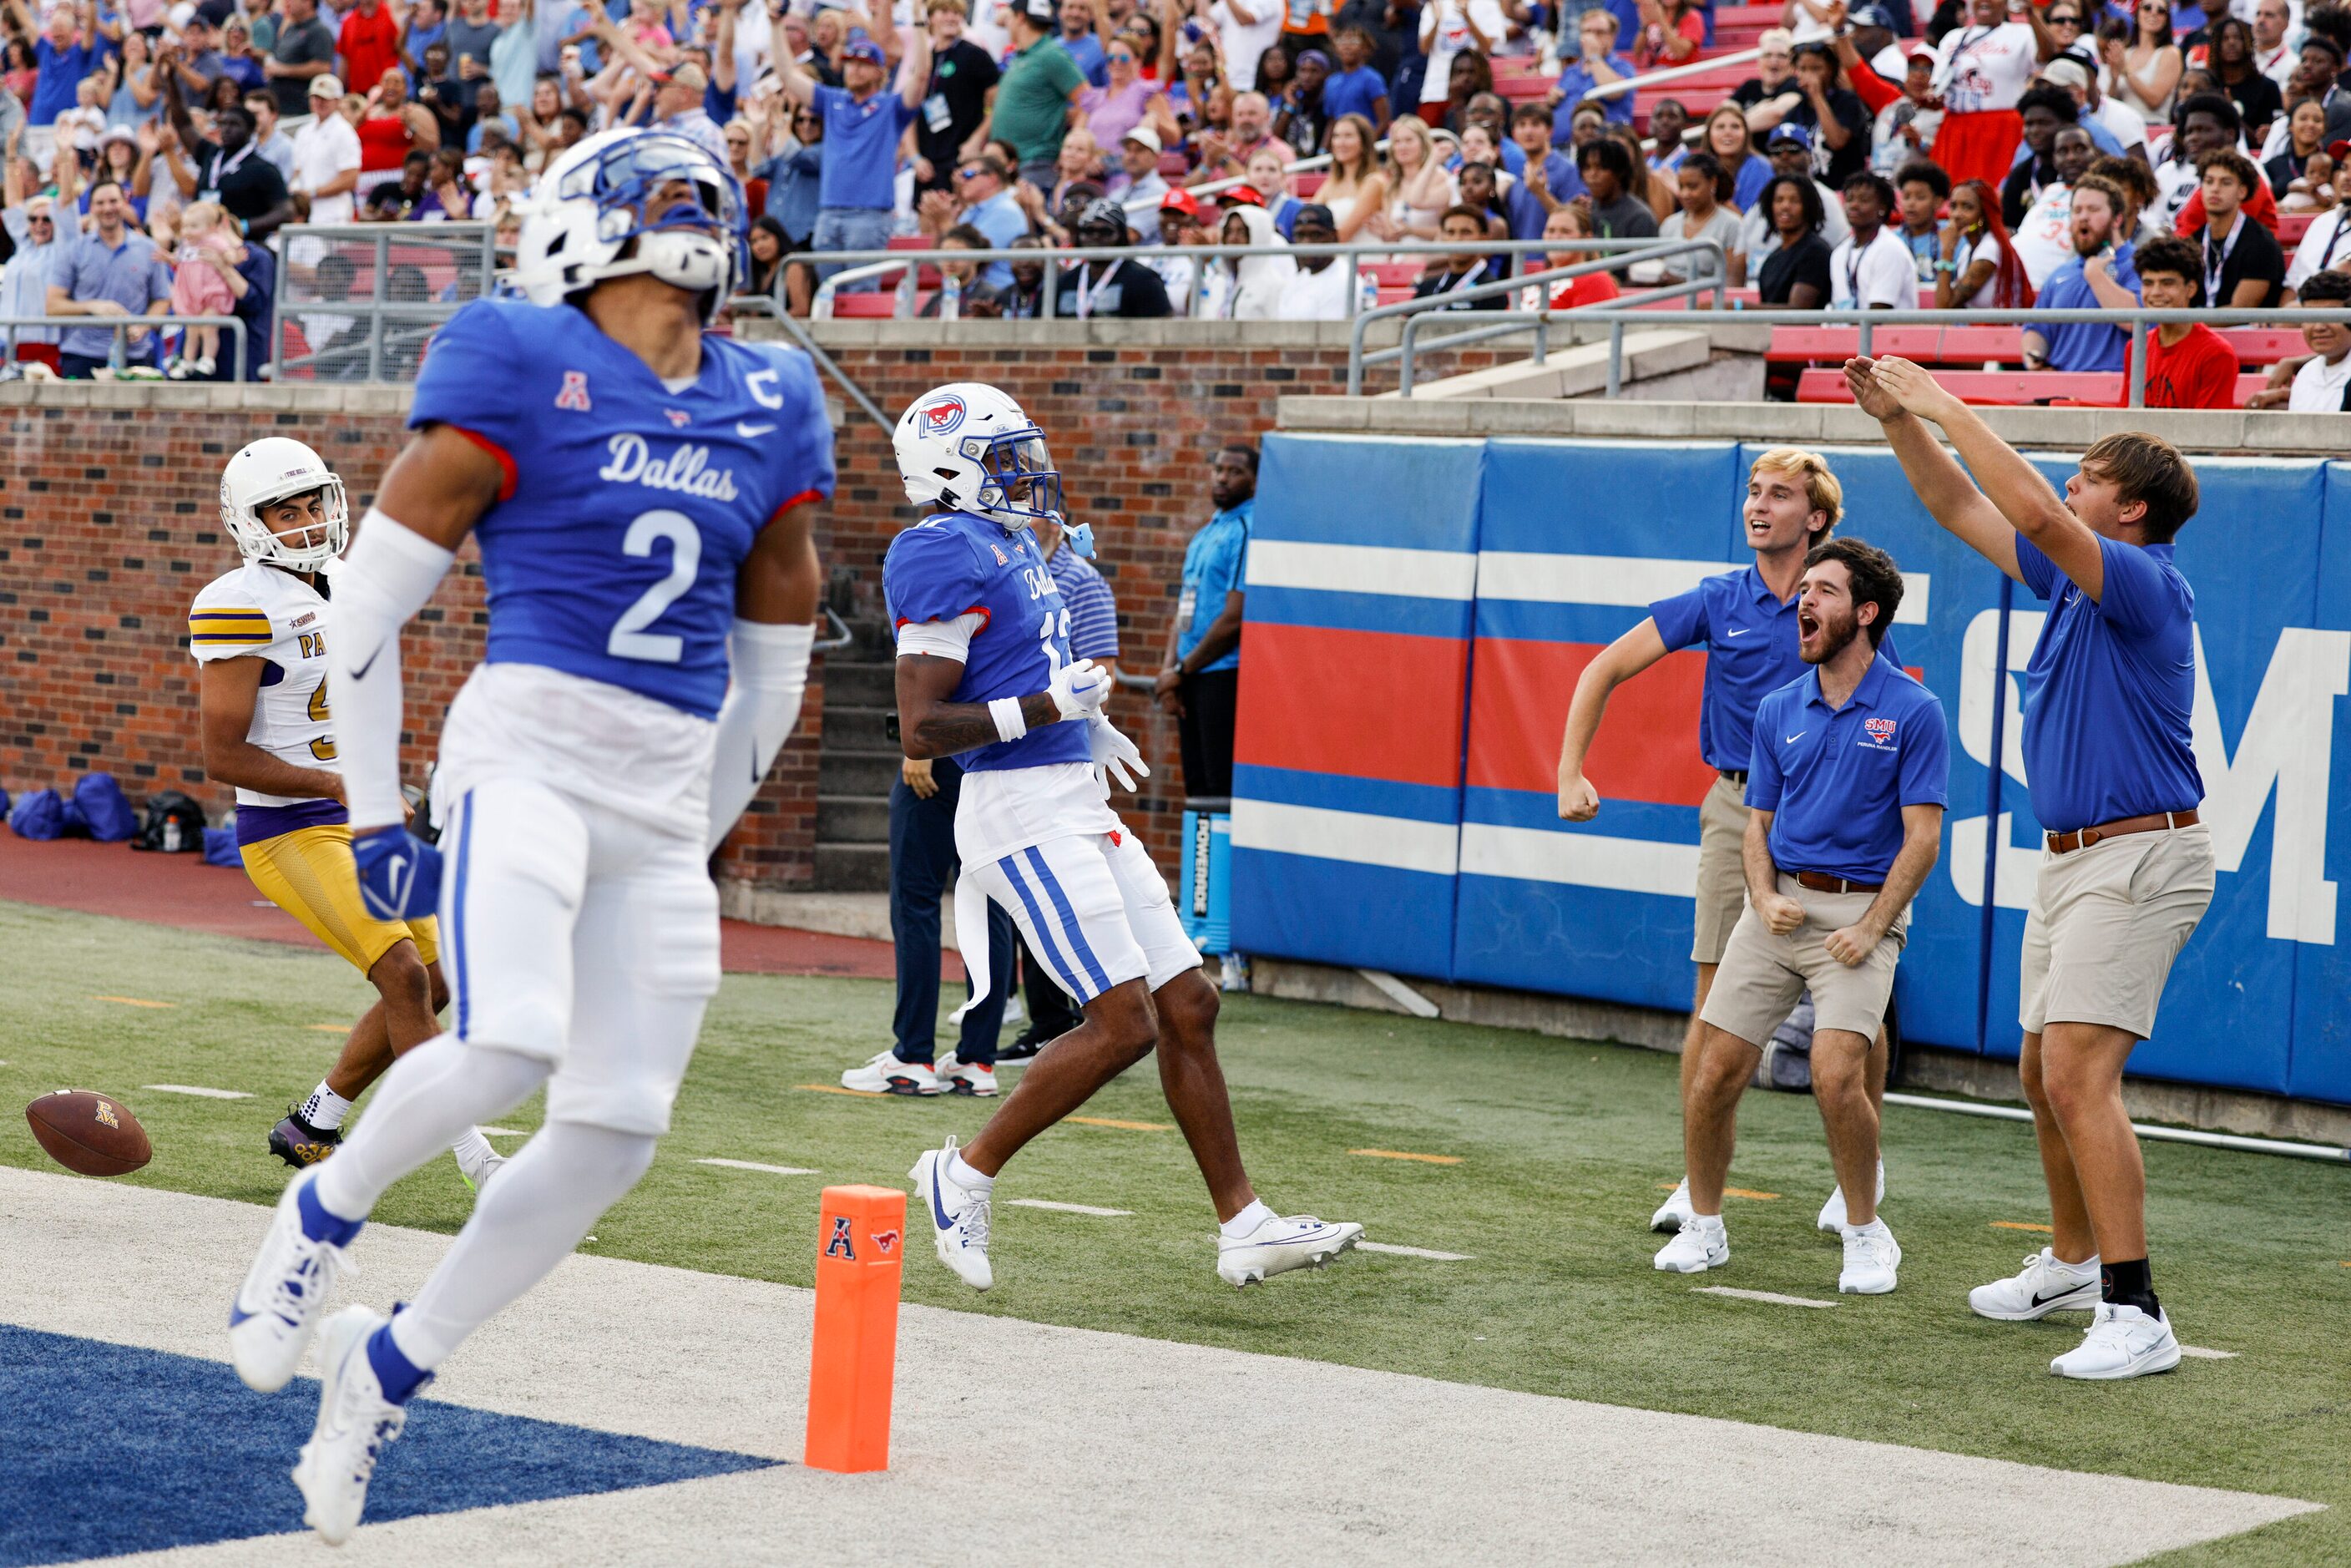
<point>40,240</point>
<point>327,154</point>
<point>1138,185</point>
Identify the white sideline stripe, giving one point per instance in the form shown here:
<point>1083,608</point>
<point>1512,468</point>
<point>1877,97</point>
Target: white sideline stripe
<point>1623,580</point>
<point>1414,1252</point>
<point>199,1093</point>
<point>1578,859</point>
<point>756,1166</point>
<point>2197,1350</point>
<point>1397,843</point>
<point>1363,568</point>
<point>1772,1296</point>
<point>503,1132</point>
<point>1069,1207</point>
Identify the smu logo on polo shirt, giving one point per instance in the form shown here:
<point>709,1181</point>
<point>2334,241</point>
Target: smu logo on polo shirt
<point>1881,733</point>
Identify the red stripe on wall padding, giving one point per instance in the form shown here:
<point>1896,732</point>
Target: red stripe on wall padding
<point>1647,746</point>
<point>1370,704</point>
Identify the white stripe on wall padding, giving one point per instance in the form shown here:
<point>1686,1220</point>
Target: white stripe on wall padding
<point>1399,843</point>
<point>1363,568</point>
<point>1578,860</point>
<point>1626,581</point>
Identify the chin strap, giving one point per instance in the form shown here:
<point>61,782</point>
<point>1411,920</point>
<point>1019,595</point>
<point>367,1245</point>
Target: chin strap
<point>762,709</point>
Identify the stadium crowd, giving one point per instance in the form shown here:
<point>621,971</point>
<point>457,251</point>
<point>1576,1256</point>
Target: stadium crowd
<point>1998,157</point>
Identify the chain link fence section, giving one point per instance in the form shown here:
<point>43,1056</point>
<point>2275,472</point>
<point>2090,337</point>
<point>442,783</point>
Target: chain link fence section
<point>360,301</point>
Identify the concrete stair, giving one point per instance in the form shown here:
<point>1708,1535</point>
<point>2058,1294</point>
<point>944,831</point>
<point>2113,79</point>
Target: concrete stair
<point>855,770</point>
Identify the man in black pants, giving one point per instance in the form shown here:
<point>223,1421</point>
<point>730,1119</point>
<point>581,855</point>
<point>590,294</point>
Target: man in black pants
<point>922,858</point>
<point>1201,683</point>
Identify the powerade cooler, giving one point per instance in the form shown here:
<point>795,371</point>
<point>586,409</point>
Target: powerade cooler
<point>1207,903</point>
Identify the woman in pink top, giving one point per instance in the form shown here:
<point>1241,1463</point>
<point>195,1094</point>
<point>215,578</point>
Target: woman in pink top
<point>1112,111</point>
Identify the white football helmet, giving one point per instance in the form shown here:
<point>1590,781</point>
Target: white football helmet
<point>969,446</point>
<point>586,209</point>
<point>272,469</point>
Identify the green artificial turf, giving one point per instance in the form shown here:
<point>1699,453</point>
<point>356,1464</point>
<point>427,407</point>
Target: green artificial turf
<point>1562,1147</point>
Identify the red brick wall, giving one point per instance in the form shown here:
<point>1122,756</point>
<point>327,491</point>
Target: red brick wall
<point>109,524</point>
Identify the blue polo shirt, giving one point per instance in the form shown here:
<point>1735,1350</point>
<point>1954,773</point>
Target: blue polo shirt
<point>1214,563</point>
<point>1835,779</point>
<point>62,72</point>
<point>1087,50</point>
<point>861,148</point>
<point>2084,345</point>
<point>130,273</point>
<point>1750,641</point>
<point>1093,609</point>
<point>2110,688</point>
<point>1357,91</point>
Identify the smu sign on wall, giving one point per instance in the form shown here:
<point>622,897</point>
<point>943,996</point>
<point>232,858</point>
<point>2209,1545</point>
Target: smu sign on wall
<point>1418,612</point>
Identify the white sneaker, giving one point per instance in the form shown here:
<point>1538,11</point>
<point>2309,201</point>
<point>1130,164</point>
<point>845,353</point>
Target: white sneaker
<point>355,1422</point>
<point>1675,1210</point>
<point>1699,1244</point>
<point>2123,1341</point>
<point>477,1173</point>
<point>2041,1287</point>
<point>1871,1257</point>
<point>1834,1218</point>
<point>885,1074</point>
<point>276,1309</point>
<point>1281,1244</point>
<point>956,1076</point>
<point>959,1216</point>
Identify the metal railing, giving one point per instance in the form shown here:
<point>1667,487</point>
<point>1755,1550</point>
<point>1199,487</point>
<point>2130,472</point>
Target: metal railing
<point>122,326</point>
<point>1671,73</point>
<point>1617,317</point>
<point>1615,255</point>
<point>875,264</point>
<point>385,327</point>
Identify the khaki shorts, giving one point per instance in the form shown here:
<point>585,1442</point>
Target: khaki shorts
<point>1721,871</point>
<point>2106,922</point>
<point>1762,975</point>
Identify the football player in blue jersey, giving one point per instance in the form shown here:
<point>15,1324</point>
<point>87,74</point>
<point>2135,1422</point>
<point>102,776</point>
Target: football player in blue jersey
<point>641,495</point>
<point>985,676</point>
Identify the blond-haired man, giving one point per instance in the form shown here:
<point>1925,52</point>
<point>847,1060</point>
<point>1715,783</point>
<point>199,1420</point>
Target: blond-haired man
<point>1746,621</point>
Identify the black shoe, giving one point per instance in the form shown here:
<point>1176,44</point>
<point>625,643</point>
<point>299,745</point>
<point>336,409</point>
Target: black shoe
<point>298,1144</point>
<point>1025,1045</point>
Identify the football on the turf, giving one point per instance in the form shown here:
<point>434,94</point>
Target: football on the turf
<point>89,1133</point>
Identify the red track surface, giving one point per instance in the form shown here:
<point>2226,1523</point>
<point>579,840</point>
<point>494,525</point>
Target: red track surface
<point>181,891</point>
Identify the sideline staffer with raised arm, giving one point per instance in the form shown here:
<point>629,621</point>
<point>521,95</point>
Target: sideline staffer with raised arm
<point>2127,869</point>
<point>1747,623</point>
<point>1851,769</point>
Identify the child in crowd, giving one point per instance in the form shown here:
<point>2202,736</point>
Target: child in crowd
<point>209,251</point>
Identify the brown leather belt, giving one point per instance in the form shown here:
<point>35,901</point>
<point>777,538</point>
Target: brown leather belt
<point>2066,843</point>
<point>1821,881</point>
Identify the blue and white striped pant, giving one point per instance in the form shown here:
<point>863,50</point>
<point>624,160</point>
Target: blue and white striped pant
<point>1094,909</point>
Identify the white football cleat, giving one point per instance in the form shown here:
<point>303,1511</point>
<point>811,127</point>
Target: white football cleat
<point>956,1076</point>
<point>959,1216</point>
<point>2123,1341</point>
<point>2041,1287</point>
<point>355,1422</point>
<point>276,1311</point>
<point>885,1074</point>
<point>1696,1247</point>
<point>1834,1218</point>
<point>1673,1211</point>
<point>1281,1244</point>
<point>1871,1257</point>
<point>476,1175</point>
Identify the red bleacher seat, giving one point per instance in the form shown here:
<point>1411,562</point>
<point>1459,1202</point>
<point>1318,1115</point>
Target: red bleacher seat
<point>1974,346</point>
<point>2292,227</point>
<point>1391,273</point>
<point>1394,294</point>
<point>1174,166</point>
<point>1305,186</point>
<point>294,346</point>
<point>2091,389</point>
<point>848,306</point>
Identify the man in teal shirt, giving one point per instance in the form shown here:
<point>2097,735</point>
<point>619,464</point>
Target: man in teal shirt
<point>1034,100</point>
<point>1201,683</point>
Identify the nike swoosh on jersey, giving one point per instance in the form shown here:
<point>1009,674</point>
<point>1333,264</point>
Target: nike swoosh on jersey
<point>748,431</point>
<point>1797,737</point>
<point>1739,631</point>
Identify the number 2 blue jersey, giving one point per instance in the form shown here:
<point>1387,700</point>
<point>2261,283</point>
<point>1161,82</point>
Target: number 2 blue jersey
<point>627,508</point>
<point>955,564</point>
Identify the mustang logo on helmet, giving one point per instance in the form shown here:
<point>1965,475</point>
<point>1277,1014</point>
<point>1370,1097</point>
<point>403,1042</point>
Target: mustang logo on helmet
<point>943,416</point>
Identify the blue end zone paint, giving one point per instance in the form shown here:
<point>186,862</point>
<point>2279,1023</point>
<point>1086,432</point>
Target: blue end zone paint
<point>106,1449</point>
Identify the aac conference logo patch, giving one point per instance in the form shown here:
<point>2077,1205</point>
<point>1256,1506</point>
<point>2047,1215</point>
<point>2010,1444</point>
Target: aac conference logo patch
<point>943,416</point>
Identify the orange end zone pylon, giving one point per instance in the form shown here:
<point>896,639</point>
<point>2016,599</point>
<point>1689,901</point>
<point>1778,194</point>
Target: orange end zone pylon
<point>860,1238</point>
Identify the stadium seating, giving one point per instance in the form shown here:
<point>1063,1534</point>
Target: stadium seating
<point>2094,389</point>
<point>2292,227</point>
<point>1998,343</point>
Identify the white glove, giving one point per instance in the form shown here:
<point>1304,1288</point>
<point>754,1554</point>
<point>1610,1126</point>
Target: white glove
<point>1114,755</point>
<point>1078,688</point>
